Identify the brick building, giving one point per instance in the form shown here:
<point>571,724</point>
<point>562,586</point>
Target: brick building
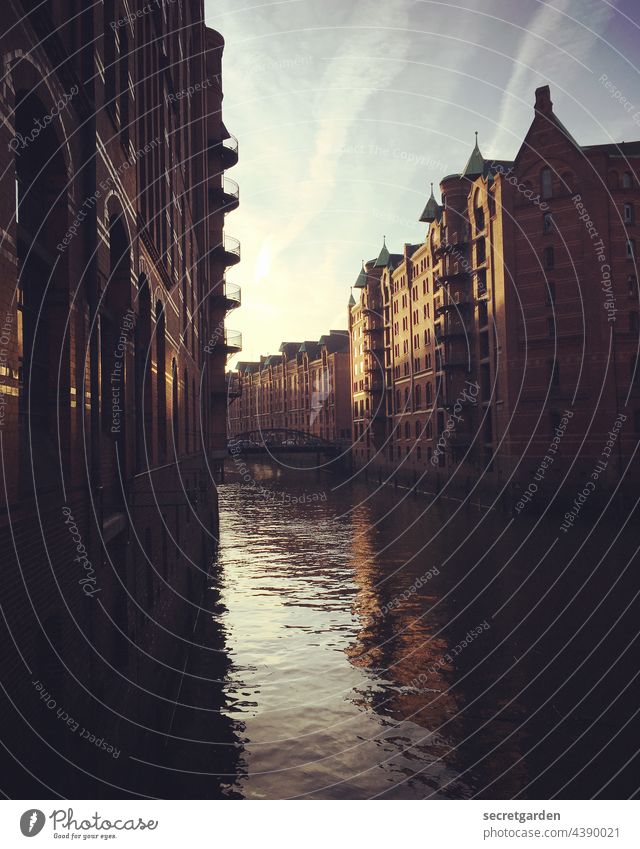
<point>114,346</point>
<point>303,388</point>
<point>502,350</point>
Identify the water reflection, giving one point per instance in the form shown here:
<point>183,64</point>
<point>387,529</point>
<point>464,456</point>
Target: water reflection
<point>379,646</point>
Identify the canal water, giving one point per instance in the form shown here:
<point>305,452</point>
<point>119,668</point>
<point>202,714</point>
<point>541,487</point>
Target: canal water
<point>362,642</point>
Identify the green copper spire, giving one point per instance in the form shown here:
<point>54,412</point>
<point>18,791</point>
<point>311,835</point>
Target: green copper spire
<point>383,256</point>
<point>475,165</point>
<point>361,282</point>
<point>431,210</point>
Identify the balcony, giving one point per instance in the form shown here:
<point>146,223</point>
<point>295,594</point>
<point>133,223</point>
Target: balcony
<point>453,306</point>
<point>229,152</point>
<point>227,342</point>
<point>225,197</point>
<point>227,251</point>
<point>374,327</point>
<point>451,329</point>
<point>375,387</point>
<point>227,296</point>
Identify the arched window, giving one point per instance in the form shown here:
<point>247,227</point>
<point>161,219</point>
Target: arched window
<point>546,184</point>
<point>418,430</point>
<point>109,41</point>
<point>175,417</point>
<point>407,430</point>
<point>627,180</point>
<point>548,257</point>
<point>429,430</point>
<point>418,396</point>
<point>43,283</point>
<point>478,211</point>
<point>123,97</point>
<point>142,363</point>
<point>187,412</point>
<point>161,381</point>
<point>429,395</point>
<point>194,425</point>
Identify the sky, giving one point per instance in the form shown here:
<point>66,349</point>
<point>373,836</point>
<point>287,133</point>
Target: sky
<point>346,110</point>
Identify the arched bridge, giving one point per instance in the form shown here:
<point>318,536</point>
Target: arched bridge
<point>280,440</point>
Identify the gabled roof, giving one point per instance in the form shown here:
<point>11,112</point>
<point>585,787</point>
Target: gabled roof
<point>248,367</point>
<point>272,360</point>
<point>622,149</point>
<point>310,348</point>
<point>544,110</point>
<point>336,341</point>
<point>290,348</point>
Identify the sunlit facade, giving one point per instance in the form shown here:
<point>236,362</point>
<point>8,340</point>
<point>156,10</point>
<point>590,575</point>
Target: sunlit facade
<point>502,350</point>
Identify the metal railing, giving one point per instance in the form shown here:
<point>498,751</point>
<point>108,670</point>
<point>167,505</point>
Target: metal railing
<point>231,144</point>
<point>231,245</point>
<point>232,340</point>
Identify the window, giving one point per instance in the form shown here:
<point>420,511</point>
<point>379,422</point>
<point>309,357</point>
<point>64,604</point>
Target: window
<point>631,248</point>
<point>628,213</point>
<point>123,98</point>
<point>407,430</point>
<point>551,292</point>
<point>174,408</point>
<point>627,180</point>
<point>418,396</point>
<point>632,285</point>
<point>429,391</point>
<point>551,327</point>
<point>633,322</point>
<point>429,431</point>
<point>548,257</point>
<point>161,380</point>
<point>547,223</point>
<point>418,430</point>
<point>546,186</point>
<point>479,217</point>
<point>109,55</point>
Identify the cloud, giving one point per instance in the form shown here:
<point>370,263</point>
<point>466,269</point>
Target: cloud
<point>554,50</point>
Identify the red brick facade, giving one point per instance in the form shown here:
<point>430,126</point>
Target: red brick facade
<point>502,350</point>
<point>303,388</point>
<point>113,344</point>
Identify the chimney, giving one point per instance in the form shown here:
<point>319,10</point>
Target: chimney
<point>543,101</point>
